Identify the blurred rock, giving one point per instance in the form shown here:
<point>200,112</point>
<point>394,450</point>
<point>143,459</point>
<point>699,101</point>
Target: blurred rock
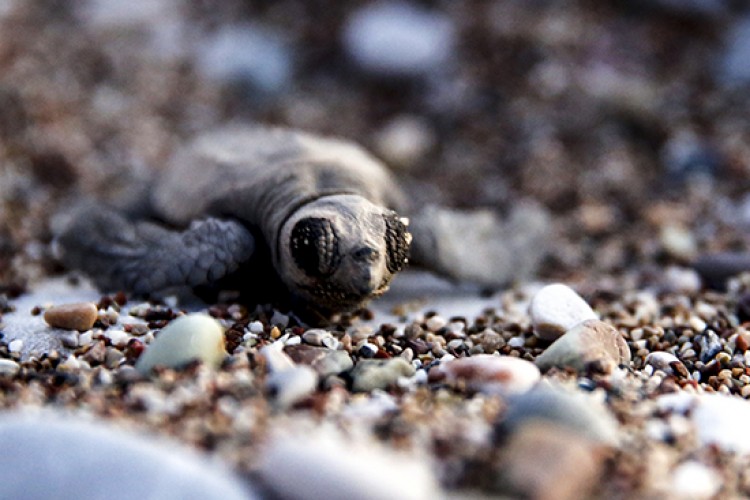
<point>404,141</point>
<point>322,464</point>
<point>734,68</point>
<point>399,39</point>
<point>542,461</point>
<point>291,386</point>
<point>321,359</point>
<point>577,412</point>
<point>74,458</point>
<point>249,54</point>
<point>693,480</point>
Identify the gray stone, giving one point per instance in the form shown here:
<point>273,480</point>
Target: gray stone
<point>555,309</point>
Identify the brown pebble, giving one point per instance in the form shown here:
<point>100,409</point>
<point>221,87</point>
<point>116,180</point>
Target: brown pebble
<point>78,316</point>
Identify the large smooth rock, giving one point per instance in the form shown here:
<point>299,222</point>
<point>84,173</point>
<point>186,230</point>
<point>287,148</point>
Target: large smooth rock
<point>64,457</point>
<point>371,374</point>
<point>322,464</point>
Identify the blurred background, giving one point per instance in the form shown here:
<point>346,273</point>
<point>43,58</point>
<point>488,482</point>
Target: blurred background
<point>628,120</point>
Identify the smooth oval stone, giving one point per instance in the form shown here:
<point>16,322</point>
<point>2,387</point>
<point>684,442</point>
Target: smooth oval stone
<point>72,458</point>
<point>490,374</point>
<point>555,309</point>
<point>370,374</point>
<point>322,464</point>
<point>585,343</point>
<point>80,316</point>
<point>187,338</point>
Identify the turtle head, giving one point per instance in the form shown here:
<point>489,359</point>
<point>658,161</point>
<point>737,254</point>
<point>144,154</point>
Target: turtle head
<point>339,251</point>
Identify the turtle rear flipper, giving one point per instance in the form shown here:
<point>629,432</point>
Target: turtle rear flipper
<point>142,257</point>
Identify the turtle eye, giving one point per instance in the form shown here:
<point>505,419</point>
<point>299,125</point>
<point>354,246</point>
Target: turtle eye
<point>314,247</point>
<point>397,242</point>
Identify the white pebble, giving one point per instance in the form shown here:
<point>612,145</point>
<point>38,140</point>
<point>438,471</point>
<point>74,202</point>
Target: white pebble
<point>555,309</point>
<point>15,345</point>
<point>399,39</point>
<point>9,367</point>
<point>404,140</point>
<point>118,338</point>
<point>187,338</point>
<point>692,480</point>
<point>255,327</point>
<point>292,385</point>
<point>85,338</point>
<point>435,323</point>
<point>516,342</point>
<point>71,363</point>
<point>490,374</point>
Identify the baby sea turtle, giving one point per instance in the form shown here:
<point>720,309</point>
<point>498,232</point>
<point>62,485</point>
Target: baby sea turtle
<point>270,206</point>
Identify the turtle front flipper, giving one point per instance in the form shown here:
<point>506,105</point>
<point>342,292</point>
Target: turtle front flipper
<point>142,257</point>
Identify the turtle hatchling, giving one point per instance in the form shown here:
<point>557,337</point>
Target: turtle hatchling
<point>256,208</point>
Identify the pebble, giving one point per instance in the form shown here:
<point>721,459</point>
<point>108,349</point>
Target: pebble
<point>187,338</point>
<point>488,373</point>
<point>709,344</point>
<point>396,38</point>
<point>370,374</point>
<point>79,316</point>
<point>75,457</point>
<point>693,480</point>
<point>575,411</point>
<point>587,342</point>
<point>315,337</point>
<point>117,338</point>
<point>322,360</point>
<point>292,386</point>
<point>323,464</point>
<point>15,345</point>
<point>543,461</point>
<point>9,367</point>
<point>557,308</point>
<point>678,242</point>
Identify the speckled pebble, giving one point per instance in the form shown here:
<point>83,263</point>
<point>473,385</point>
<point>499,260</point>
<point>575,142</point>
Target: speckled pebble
<point>489,374</point>
<point>371,374</point>
<point>586,343</point>
<point>555,309</point>
<point>79,316</point>
<point>662,361</point>
<point>187,338</point>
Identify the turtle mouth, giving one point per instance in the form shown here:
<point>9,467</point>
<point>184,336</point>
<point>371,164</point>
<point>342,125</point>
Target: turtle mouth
<point>332,297</point>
